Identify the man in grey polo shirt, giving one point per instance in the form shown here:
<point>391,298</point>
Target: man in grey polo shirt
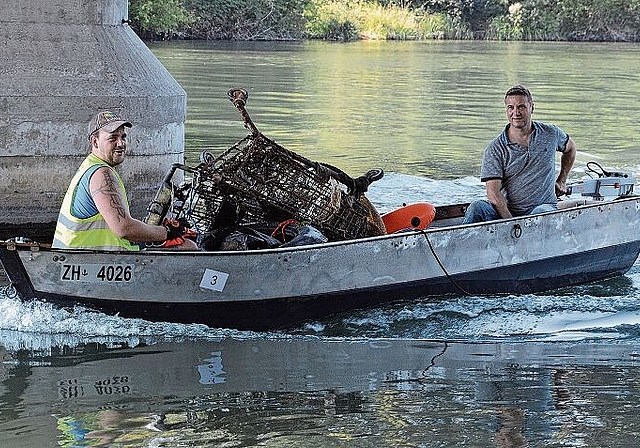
<point>518,166</point>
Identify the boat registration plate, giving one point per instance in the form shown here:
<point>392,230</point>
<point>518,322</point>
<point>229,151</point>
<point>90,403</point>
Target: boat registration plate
<point>97,273</point>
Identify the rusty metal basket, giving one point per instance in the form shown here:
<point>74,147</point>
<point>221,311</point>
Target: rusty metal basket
<point>257,181</point>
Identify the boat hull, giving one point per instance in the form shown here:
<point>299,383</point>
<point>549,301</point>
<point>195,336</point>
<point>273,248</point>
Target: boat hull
<point>281,287</point>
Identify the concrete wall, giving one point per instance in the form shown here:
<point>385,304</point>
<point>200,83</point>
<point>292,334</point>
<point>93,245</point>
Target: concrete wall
<point>62,61</point>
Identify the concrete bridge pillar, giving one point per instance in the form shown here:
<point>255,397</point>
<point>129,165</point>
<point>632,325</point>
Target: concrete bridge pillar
<point>62,61</point>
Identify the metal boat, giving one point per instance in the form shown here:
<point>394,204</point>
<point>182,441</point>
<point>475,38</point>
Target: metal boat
<point>273,288</point>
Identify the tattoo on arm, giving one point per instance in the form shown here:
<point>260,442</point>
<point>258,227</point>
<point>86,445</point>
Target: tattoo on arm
<point>109,187</point>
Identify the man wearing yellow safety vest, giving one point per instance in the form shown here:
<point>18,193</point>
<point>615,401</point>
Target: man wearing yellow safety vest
<point>95,210</point>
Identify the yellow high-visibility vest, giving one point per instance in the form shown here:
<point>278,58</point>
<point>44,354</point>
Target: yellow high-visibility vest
<point>92,232</point>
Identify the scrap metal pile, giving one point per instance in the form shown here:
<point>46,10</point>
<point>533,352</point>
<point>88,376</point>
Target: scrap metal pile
<point>258,183</point>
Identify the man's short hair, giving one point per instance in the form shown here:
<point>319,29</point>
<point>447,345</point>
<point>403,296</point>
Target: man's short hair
<point>519,90</point>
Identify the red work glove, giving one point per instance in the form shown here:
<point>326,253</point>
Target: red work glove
<point>177,231</point>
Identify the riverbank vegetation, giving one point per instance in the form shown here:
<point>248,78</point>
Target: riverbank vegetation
<point>346,20</point>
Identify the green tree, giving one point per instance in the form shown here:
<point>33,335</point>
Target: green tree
<point>158,18</point>
<point>611,20</point>
<point>477,14</point>
<point>247,19</point>
<point>574,20</point>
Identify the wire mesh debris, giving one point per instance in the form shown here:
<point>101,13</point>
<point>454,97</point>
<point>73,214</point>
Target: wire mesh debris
<point>257,182</point>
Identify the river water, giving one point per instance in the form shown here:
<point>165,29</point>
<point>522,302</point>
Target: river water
<point>560,369</point>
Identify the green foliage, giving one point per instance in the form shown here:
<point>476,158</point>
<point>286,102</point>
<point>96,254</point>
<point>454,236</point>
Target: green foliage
<point>333,20</point>
<point>612,20</point>
<point>330,27</point>
<point>345,20</point>
<point>509,26</point>
<point>584,20</point>
<point>540,20</point>
<point>158,18</point>
<point>442,26</point>
<point>351,19</point>
<point>247,19</point>
<point>476,13</point>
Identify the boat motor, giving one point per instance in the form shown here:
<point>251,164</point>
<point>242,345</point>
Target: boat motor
<point>606,184</point>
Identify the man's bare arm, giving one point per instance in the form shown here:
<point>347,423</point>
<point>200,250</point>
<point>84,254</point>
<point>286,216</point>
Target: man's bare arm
<point>566,163</point>
<point>112,205</point>
<point>497,199</point>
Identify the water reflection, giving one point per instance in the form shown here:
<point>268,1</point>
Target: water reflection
<point>304,391</point>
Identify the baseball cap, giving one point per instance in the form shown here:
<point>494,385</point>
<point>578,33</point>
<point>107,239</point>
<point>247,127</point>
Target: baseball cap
<point>108,122</point>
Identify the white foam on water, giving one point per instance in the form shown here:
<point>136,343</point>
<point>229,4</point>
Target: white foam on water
<point>44,324</point>
<point>396,189</point>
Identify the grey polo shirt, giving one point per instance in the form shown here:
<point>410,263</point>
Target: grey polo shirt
<point>527,174</point>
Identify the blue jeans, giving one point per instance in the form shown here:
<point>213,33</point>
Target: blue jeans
<point>482,210</point>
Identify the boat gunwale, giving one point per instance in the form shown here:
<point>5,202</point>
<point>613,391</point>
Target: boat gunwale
<point>280,250</point>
